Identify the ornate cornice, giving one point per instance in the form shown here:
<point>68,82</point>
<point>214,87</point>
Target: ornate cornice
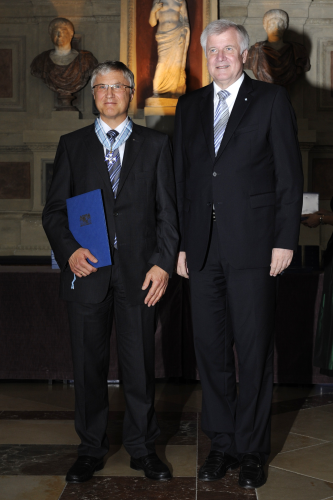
<point>306,146</point>
<point>28,148</point>
<point>325,148</point>
<point>40,146</point>
<point>14,149</point>
<point>47,19</point>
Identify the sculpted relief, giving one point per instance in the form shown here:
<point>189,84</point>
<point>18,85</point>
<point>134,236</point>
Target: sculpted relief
<point>276,61</point>
<point>173,36</point>
<point>63,69</point>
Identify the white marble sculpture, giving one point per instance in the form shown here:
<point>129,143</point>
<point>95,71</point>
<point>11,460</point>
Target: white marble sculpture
<point>173,36</point>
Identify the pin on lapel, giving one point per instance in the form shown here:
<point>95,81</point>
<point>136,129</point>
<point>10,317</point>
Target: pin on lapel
<point>245,98</point>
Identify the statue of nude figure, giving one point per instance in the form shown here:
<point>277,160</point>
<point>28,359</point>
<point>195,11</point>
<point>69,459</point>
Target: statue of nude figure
<point>173,36</point>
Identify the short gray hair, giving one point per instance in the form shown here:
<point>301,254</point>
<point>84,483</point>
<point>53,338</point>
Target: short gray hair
<point>280,14</point>
<point>222,25</point>
<point>108,66</point>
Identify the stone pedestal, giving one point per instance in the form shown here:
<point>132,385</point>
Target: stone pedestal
<point>160,114</point>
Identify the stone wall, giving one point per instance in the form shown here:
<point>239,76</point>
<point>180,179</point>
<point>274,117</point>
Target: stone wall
<point>311,23</point>
<point>29,126</point>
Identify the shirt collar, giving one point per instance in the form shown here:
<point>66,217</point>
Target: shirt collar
<point>119,129</point>
<point>233,89</point>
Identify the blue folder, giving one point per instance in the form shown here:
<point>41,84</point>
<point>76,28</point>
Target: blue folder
<point>86,218</point>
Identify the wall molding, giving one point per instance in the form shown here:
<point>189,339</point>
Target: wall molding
<point>47,19</point>
<point>17,45</point>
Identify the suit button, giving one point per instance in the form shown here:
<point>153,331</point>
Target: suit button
<point>115,214</point>
<point>214,174</point>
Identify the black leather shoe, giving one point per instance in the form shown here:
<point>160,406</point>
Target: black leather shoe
<point>152,466</point>
<point>216,466</point>
<point>251,473</point>
<point>84,468</point>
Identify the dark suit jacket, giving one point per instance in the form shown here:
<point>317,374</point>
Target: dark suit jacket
<point>143,214</point>
<point>255,181</point>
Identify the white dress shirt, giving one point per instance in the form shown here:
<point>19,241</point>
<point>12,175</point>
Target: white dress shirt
<point>233,89</point>
<point>119,129</point>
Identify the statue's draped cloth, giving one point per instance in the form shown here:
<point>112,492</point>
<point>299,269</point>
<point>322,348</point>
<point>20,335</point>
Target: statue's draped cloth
<point>64,79</point>
<point>172,51</point>
<point>281,67</point>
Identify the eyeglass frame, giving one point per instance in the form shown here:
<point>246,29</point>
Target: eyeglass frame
<point>111,86</point>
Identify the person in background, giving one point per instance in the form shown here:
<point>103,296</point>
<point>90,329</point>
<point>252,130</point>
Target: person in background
<point>323,350</point>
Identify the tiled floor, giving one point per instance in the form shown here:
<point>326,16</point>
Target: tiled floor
<point>38,445</point>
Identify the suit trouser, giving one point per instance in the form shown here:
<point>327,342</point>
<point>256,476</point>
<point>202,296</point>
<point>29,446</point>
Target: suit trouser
<point>231,306</point>
<point>90,326</point>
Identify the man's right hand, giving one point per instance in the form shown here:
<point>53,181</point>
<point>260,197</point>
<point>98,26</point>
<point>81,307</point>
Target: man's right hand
<point>79,265</point>
<point>182,269</point>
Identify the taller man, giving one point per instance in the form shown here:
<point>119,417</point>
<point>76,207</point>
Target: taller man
<point>132,165</point>
<point>239,189</point>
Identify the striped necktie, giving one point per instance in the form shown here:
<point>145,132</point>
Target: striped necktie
<point>221,119</point>
<point>113,162</point>
<point>112,159</point>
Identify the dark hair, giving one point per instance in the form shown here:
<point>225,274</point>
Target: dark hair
<point>107,66</point>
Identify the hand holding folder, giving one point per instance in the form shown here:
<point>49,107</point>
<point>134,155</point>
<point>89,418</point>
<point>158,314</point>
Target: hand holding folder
<point>86,219</point>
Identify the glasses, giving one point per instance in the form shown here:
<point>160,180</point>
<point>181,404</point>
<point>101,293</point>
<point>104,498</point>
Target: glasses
<point>118,88</point>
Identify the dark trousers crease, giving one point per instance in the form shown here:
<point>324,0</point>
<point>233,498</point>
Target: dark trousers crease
<point>90,326</point>
<point>231,306</point>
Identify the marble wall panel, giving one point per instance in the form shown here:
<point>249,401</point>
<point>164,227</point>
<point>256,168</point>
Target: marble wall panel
<point>6,71</point>
<point>322,177</point>
<point>14,180</point>
<point>325,73</point>
<point>13,71</point>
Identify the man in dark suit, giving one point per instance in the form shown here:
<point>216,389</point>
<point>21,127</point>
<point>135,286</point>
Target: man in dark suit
<point>239,190</point>
<point>132,165</point>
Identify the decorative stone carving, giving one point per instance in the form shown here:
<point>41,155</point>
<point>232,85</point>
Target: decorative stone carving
<point>173,36</point>
<point>276,61</point>
<point>63,69</point>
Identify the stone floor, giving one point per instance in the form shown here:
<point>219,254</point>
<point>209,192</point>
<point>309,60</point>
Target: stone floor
<point>38,445</point>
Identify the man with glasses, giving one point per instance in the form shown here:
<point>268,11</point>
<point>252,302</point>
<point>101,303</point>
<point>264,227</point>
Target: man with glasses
<point>132,165</point>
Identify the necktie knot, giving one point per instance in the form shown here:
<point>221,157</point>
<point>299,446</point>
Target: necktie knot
<point>112,134</point>
<point>223,94</point>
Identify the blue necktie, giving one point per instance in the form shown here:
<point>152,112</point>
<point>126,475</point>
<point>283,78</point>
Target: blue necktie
<point>112,159</point>
<point>113,162</point>
<point>221,119</point>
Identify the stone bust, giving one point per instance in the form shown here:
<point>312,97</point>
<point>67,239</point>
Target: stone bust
<point>273,60</point>
<point>63,69</point>
<point>173,36</point>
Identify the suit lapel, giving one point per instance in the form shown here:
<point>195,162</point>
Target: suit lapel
<point>207,118</point>
<point>241,104</point>
<point>96,153</point>
<point>132,148</point>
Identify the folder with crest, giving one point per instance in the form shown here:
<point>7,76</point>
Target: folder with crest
<point>86,219</point>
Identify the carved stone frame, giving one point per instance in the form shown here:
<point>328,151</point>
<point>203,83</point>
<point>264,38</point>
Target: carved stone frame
<point>128,37</point>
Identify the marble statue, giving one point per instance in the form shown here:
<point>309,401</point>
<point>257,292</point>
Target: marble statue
<point>63,69</point>
<point>274,60</point>
<point>173,36</point>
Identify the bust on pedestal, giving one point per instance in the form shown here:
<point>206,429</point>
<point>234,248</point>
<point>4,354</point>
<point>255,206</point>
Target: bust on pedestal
<point>273,60</point>
<point>63,69</point>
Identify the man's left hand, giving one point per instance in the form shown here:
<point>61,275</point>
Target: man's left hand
<point>159,279</point>
<point>281,259</point>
